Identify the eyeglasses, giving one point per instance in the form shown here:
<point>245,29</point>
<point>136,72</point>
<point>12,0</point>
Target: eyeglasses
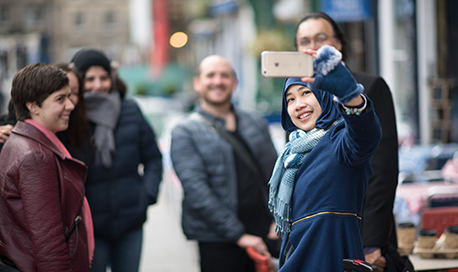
<point>319,40</point>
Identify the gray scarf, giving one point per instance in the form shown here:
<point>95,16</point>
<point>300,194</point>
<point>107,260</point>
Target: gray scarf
<point>282,181</point>
<point>103,109</point>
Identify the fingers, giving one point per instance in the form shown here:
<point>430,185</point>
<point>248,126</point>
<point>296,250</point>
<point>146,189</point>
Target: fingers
<point>5,131</point>
<point>308,79</point>
<point>272,234</point>
<point>380,262</point>
<point>3,138</point>
<point>263,250</point>
<point>250,240</point>
<point>313,54</point>
<point>310,52</point>
<point>7,127</point>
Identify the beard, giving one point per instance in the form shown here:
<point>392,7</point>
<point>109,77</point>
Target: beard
<point>217,102</point>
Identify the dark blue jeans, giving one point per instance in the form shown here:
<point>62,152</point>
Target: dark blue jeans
<point>122,254</point>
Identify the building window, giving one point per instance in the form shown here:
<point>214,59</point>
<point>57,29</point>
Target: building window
<point>34,16</point>
<point>3,64</point>
<point>110,21</point>
<point>4,15</point>
<point>21,56</point>
<point>79,21</point>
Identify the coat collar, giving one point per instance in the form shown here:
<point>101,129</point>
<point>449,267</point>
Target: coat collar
<point>31,132</point>
<point>213,118</point>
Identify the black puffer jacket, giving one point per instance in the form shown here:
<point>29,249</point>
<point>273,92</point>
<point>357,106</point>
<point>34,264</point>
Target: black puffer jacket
<point>119,196</point>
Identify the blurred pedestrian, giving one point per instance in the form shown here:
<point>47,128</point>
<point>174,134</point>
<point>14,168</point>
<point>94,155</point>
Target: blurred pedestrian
<point>223,157</point>
<point>118,193</point>
<point>378,226</point>
<point>318,184</point>
<point>44,215</point>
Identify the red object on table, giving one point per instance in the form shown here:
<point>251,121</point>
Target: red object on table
<point>439,218</point>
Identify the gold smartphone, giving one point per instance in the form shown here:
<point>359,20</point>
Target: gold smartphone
<point>286,64</point>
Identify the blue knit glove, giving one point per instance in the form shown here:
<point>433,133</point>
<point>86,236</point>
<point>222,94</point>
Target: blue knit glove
<point>332,76</point>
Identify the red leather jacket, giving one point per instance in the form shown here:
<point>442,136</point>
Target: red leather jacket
<point>41,195</point>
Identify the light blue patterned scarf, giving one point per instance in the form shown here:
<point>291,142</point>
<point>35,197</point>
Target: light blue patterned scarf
<point>282,181</point>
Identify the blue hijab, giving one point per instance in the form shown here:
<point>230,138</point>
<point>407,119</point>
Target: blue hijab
<point>329,108</point>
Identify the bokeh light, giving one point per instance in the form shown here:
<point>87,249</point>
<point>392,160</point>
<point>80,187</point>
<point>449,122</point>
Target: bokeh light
<point>178,39</point>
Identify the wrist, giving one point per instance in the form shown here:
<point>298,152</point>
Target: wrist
<point>355,110</point>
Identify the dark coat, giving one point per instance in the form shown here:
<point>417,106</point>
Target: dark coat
<point>119,196</point>
<point>378,227</point>
<point>42,193</point>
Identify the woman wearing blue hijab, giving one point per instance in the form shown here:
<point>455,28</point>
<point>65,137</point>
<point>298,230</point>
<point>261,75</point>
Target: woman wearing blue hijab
<point>318,184</point>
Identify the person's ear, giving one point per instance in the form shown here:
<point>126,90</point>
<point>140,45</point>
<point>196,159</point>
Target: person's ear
<point>32,107</point>
<point>196,84</point>
<point>338,44</point>
<point>114,65</point>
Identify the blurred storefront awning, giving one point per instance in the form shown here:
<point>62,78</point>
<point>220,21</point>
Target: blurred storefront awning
<point>347,10</point>
<point>227,7</point>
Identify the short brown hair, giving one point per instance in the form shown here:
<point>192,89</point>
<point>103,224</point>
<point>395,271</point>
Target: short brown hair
<point>34,83</point>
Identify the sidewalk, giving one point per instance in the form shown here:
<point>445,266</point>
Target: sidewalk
<point>165,248</point>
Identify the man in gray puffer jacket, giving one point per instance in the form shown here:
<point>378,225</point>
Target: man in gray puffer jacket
<point>225,188</point>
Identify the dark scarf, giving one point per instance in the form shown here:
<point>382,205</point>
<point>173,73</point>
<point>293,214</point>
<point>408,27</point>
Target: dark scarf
<point>103,110</point>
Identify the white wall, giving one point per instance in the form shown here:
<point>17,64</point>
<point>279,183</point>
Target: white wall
<point>427,62</point>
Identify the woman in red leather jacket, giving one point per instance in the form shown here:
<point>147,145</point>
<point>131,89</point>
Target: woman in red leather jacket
<point>44,216</point>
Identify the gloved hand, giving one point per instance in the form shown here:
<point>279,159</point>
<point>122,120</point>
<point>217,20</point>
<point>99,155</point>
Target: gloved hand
<point>332,76</point>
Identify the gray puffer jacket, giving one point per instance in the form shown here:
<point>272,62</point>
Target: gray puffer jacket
<point>204,163</point>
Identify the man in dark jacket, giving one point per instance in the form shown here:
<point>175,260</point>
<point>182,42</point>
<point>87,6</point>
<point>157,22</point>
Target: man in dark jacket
<point>378,226</point>
<point>225,196</point>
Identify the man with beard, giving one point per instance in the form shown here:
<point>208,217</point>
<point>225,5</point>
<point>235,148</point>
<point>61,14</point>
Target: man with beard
<point>223,157</point>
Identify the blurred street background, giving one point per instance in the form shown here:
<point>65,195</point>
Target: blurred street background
<point>165,247</point>
<point>412,44</point>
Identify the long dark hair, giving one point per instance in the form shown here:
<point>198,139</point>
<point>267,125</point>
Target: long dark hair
<point>77,131</point>
<point>337,32</point>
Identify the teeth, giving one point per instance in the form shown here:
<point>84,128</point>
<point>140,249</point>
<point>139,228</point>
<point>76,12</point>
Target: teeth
<point>304,115</point>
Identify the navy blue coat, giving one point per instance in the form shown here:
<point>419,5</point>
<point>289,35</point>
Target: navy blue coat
<point>119,196</point>
<point>328,196</point>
